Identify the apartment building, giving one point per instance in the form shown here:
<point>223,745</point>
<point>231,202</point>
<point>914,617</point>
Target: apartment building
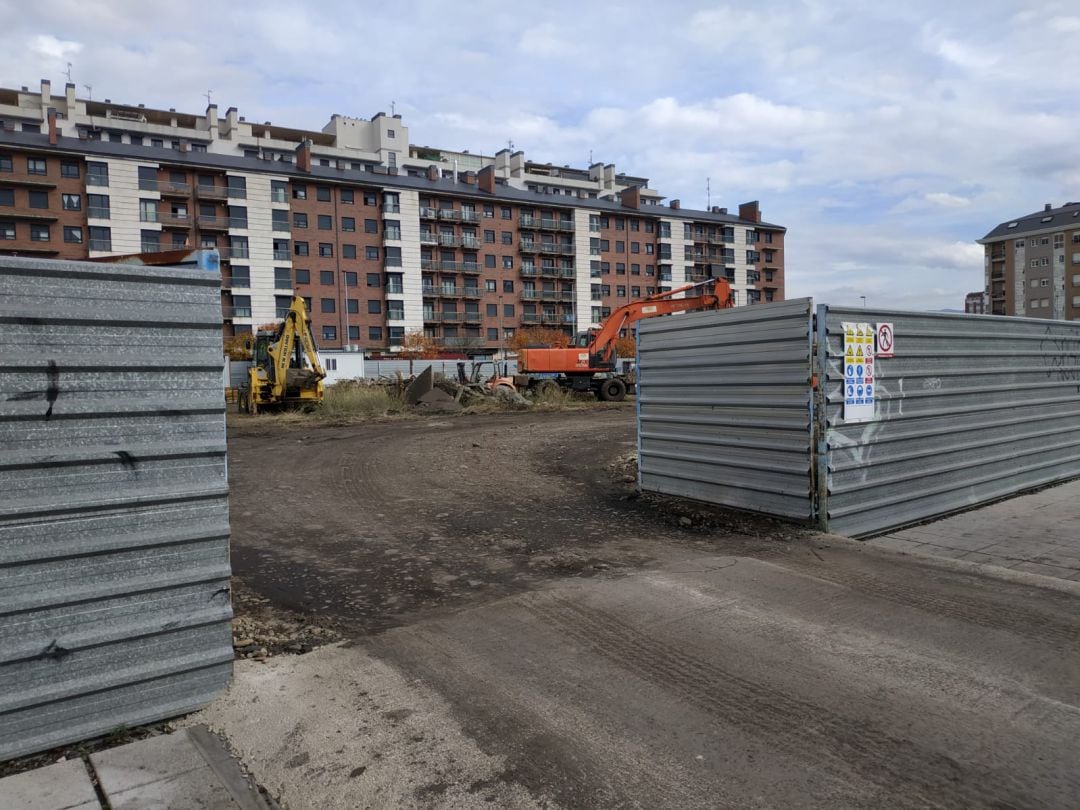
<point>381,238</point>
<point>975,303</point>
<point>1032,264</point>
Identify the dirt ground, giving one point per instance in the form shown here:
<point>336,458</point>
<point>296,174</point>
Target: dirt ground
<point>522,630</point>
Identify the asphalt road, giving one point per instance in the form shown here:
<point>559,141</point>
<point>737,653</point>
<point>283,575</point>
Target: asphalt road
<point>661,667</point>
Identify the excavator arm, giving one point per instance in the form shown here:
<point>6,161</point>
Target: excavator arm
<point>715,294</point>
<point>598,355</point>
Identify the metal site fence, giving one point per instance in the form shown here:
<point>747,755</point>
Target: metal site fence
<point>857,420</point>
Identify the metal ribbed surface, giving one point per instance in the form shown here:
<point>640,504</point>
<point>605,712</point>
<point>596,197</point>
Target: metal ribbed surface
<point>724,408</point>
<point>114,525</point>
<point>970,409</point>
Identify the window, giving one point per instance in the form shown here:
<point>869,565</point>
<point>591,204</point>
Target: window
<point>620,224</point>
<point>277,190</point>
<point>508,286</point>
<point>327,305</point>
<point>6,166</point>
<point>489,212</point>
<point>303,276</point>
<point>392,257</point>
<point>507,212</point>
<point>300,248</point>
<point>508,310</point>
<point>507,238</point>
<point>391,229</point>
<point>73,236</point>
<point>69,168</point>
<point>348,251</point>
<point>325,222</point>
<point>36,166</point>
<point>326,250</point>
<point>508,262</point>
<point>329,332</point>
<point>490,285</point>
<point>374,279</point>
<point>371,198</point>
<point>322,193</point>
<point>635,247</point>
<point>7,230</point>
<point>374,333</point>
<point>348,224</point>
<point>389,133</point>
<point>374,307</point>
<point>299,220</point>
<point>492,310</point>
<point>100,238</point>
<point>489,260</point>
<point>39,233</point>
<point>371,253</point>
<point>347,196</point>
<point>157,143</point>
<point>7,197</point>
<point>391,202</point>
<point>241,276</point>
<point>38,199</point>
<point>299,192</point>
<point>489,237</point>
<point>148,178</point>
<point>620,291</point>
<point>326,278</point>
<point>371,226</point>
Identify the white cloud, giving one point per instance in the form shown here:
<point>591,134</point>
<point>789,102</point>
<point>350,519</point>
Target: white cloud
<point>48,47</point>
<point>946,200</point>
<point>545,39</point>
<point>1065,25</point>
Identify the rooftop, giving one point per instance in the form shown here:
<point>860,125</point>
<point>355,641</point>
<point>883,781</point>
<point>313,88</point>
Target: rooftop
<point>1049,219</point>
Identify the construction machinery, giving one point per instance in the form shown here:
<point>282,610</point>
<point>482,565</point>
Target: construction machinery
<point>589,364</point>
<point>285,369</point>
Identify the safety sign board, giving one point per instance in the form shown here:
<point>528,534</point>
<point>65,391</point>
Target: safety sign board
<point>885,339</point>
<point>858,372</point>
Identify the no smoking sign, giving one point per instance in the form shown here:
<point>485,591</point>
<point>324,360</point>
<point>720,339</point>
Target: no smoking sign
<point>885,339</point>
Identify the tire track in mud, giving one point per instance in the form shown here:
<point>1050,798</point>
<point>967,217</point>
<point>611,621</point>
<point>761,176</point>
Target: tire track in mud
<point>896,767</point>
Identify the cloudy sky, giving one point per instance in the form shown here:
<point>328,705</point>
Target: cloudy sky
<point>886,137</point>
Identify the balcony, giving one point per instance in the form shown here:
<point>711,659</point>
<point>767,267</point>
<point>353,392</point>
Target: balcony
<point>428,238</point>
<point>171,220</point>
<point>470,242</point>
<point>470,216</point>
<point>392,234</point>
<point>428,213</point>
<point>391,208</point>
<point>449,240</point>
<point>237,252</point>
<point>472,292</point>
<point>429,264</point>
<point>392,261</point>
<point>208,192</point>
<point>282,255</point>
<point>98,212</point>
<point>236,312</point>
<point>569,317</point>
<point>472,317</point>
<point>243,282</point>
<point>209,223</point>
<point>395,289</point>
<point>448,316</point>
<point>551,318</point>
<point>545,295</point>
<point>549,247</point>
<point>100,244</point>
<point>449,214</point>
<point>236,193</point>
<point>278,196</point>
<point>171,189</point>
<point>530,317</point>
<point>395,314</point>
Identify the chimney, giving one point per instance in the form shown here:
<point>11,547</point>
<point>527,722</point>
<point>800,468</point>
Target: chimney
<point>470,178</point>
<point>1048,206</point>
<point>750,211</point>
<point>52,126</point>
<point>455,171</point>
<point>631,197</point>
<point>485,179</point>
<point>721,211</point>
<point>69,92</point>
<point>46,93</point>
<point>303,156</point>
<point>433,173</point>
<point>674,205</point>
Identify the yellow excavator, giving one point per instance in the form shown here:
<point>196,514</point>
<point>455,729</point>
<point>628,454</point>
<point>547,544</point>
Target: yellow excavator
<point>285,369</point>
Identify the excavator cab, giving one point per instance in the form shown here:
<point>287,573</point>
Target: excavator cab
<point>285,369</point>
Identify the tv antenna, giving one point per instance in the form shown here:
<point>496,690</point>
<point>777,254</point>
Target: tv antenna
<point>89,92</point>
<point>708,194</point>
<point>68,73</point>
<point>393,107</point>
<point>208,92</point>
<point>510,143</point>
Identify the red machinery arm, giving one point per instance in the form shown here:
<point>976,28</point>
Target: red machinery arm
<point>716,294</point>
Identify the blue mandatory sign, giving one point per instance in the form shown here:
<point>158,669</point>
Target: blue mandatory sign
<point>851,371</point>
<point>859,370</point>
<point>859,391</point>
<point>869,390</point>
<point>851,390</point>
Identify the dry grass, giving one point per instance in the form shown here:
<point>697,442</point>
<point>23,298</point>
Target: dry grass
<point>345,401</point>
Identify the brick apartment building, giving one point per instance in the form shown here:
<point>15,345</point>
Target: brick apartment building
<point>1032,264</point>
<point>381,237</point>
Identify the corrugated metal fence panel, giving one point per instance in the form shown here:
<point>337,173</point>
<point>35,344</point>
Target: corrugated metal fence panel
<point>970,409</point>
<point>374,369</point>
<point>114,524</point>
<point>724,408</point>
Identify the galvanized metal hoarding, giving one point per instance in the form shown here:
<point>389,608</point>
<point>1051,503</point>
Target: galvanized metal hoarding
<point>967,409</point>
<point>724,407</point>
<point>114,525</point>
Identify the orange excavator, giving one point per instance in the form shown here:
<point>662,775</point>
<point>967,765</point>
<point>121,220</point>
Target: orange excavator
<point>590,362</point>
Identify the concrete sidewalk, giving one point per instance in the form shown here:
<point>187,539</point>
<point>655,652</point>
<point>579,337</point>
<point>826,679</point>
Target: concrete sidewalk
<point>1038,533</point>
<point>190,768</point>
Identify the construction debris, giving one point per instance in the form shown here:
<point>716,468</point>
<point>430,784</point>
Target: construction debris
<point>420,386</point>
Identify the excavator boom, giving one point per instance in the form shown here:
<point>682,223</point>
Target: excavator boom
<point>288,370</point>
<point>598,354</point>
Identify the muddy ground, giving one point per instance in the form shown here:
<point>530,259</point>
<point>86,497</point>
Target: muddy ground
<point>375,525</point>
<point>521,630</point>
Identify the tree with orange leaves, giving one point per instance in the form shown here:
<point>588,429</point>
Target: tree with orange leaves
<point>539,336</point>
<point>626,347</point>
<point>418,346</point>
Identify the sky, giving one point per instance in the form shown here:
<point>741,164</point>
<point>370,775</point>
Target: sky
<point>887,138</point>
